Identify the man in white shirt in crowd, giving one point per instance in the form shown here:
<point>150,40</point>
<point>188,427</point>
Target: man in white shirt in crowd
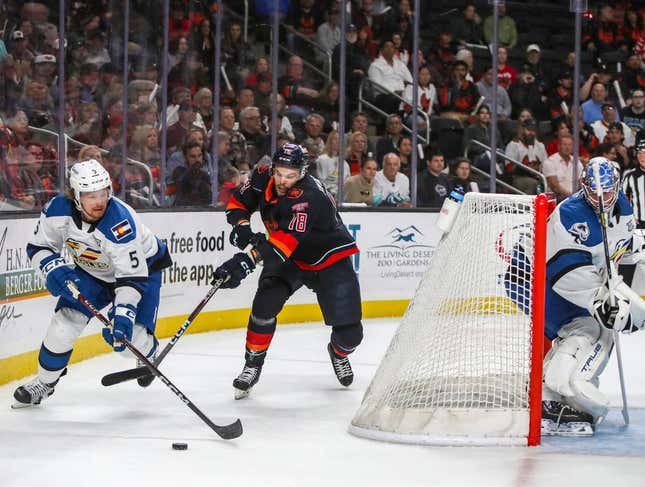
<point>390,73</point>
<point>391,187</point>
<point>609,116</point>
<point>558,168</point>
<point>531,153</point>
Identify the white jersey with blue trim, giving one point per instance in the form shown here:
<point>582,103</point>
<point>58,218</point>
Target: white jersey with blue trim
<point>576,264</point>
<point>114,249</point>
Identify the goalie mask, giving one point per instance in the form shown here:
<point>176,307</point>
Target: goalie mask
<point>86,177</point>
<point>293,156</point>
<point>609,183</point>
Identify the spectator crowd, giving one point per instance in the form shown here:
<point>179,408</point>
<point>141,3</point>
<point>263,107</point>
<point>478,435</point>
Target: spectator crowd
<point>179,158</point>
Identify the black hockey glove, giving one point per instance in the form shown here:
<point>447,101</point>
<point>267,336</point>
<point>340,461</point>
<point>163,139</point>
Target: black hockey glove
<point>242,235</point>
<point>614,317</point>
<point>234,270</point>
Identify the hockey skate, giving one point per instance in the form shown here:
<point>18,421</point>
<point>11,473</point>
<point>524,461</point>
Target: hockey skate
<point>561,420</point>
<point>342,367</point>
<point>243,383</point>
<point>146,380</point>
<point>32,393</point>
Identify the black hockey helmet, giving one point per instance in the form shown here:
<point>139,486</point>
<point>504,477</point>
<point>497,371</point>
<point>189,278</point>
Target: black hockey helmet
<point>293,156</point>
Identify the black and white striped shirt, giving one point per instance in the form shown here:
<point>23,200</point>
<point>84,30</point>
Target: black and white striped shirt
<point>633,185</point>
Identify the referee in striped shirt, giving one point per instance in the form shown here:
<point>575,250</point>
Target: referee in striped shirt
<point>634,185</point>
<point>634,188</point>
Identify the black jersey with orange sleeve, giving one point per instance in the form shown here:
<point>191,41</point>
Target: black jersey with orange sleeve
<point>303,225</point>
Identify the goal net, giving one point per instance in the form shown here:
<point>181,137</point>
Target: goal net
<point>464,366</point>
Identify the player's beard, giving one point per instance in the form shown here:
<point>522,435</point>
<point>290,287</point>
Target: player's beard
<point>94,214</point>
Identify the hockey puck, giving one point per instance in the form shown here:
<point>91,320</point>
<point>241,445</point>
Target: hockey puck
<point>180,446</point>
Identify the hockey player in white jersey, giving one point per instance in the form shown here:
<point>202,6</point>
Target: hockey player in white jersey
<point>579,314</point>
<point>93,239</point>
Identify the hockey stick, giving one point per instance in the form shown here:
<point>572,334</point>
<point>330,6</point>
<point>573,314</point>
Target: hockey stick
<point>227,432</point>
<point>137,372</point>
<point>610,286</point>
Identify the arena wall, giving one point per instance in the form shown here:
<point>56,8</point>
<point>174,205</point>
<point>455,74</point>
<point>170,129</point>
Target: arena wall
<point>395,248</point>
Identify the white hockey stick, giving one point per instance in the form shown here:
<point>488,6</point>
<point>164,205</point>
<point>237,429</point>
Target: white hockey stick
<point>610,286</point>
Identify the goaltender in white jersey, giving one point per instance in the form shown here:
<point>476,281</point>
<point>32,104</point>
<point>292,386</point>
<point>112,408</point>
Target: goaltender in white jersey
<point>579,312</point>
<point>95,240</point>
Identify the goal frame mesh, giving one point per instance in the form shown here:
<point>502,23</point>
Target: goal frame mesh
<point>518,421</point>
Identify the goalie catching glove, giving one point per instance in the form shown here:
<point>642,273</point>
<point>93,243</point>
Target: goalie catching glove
<point>626,315</point>
<point>234,270</point>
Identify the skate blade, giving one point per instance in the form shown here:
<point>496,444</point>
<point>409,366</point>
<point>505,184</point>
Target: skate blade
<point>240,394</point>
<point>21,405</point>
<point>550,428</point>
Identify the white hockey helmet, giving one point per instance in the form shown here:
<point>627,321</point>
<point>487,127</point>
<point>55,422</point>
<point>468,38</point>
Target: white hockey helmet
<point>609,182</point>
<point>87,176</point>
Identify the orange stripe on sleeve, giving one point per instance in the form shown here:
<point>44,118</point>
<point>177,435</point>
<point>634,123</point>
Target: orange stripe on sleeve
<point>285,242</point>
<point>234,204</point>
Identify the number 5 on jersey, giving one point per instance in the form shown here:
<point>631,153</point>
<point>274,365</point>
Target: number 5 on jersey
<point>134,259</point>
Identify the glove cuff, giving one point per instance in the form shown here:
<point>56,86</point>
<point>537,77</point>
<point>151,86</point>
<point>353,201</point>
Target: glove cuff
<point>126,310</point>
<point>50,263</point>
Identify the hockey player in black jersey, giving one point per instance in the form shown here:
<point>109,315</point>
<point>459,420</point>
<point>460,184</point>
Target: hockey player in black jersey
<point>307,244</point>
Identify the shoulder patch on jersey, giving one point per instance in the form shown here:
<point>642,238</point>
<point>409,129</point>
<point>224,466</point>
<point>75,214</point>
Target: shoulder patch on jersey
<point>58,206</point>
<point>245,186</point>
<point>118,223</point>
<point>295,193</point>
<point>300,207</point>
<point>580,230</point>
<point>263,168</point>
<point>121,229</point>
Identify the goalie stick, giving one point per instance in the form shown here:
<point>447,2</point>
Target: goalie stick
<point>227,432</point>
<point>137,372</point>
<point>610,285</point>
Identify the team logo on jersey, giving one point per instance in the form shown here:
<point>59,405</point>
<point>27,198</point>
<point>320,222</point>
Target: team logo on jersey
<point>73,244</point>
<point>580,231</point>
<point>262,168</point>
<point>300,207</point>
<point>121,229</point>
<point>245,186</point>
<point>440,189</point>
<point>89,262</point>
<point>90,254</point>
<point>630,226</point>
<point>295,193</point>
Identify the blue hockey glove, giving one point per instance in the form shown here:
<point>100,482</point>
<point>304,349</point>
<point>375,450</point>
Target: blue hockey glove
<point>122,316</point>
<point>234,270</point>
<point>57,272</point>
<point>242,235</point>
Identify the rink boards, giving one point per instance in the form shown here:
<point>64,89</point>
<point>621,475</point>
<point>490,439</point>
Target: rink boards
<point>395,250</point>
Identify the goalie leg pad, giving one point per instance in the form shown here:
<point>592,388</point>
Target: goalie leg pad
<point>573,365</point>
<point>65,327</point>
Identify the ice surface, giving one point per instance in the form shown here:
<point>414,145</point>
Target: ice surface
<point>295,424</point>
